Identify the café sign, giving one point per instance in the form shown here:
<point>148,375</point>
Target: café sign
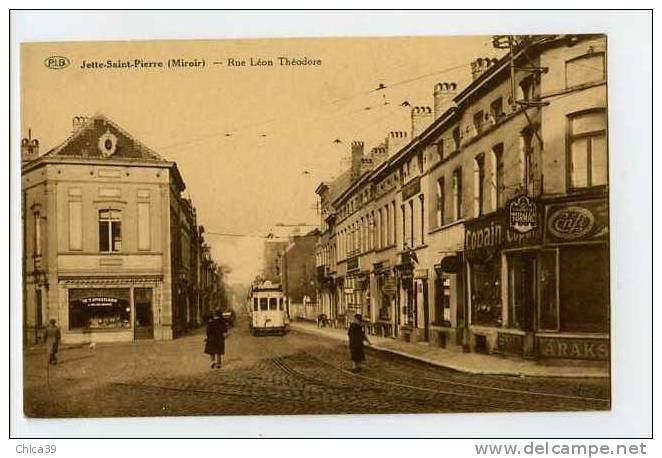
<point>577,222</point>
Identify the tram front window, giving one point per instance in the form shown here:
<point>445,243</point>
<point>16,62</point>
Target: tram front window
<point>263,303</point>
<point>273,303</point>
<point>255,304</point>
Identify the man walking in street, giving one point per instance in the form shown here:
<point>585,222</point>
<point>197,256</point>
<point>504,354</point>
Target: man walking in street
<point>357,336</point>
<point>215,341</point>
<point>52,337</point>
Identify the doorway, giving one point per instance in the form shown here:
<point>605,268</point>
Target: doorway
<point>521,291</point>
<point>144,320</point>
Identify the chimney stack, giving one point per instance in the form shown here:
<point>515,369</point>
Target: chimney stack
<point>481,65</point>
<point>443,97</point>
<point>421,117</point>
<point>29,148</point>
<point>395,141</point>
<point>78,122</point>
<point>379,154</point>
<point>357,160</point>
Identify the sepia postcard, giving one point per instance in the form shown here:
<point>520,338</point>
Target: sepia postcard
<point>353,225</point>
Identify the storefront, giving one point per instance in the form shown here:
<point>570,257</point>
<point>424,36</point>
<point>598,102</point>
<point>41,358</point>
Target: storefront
<point>106,311</point>
<point>447,323</point>
<point>384,297</point>
<point>407,317</point>
<point>575,315</point>
<point>502,251</point>
<point>539,287</point>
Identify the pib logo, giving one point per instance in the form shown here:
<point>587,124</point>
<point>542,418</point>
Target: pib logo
<point>56,62</point>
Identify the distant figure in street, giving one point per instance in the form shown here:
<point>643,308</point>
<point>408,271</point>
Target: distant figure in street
<point>52,340</point>
<point>322,320</point>
<point>357,336</point>
<point>215,341</point>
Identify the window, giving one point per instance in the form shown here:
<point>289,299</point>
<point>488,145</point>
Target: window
<point>457,194</point>
<point>587,149</point>
<point>411,223</point>
<point>37,233</point>
<point>264,303</point>
<point>440,148</point>
<point>395,224</point>
<point>440,202</point>
<point>381,228</point>
<point>419,161</point>
<point>486,306</point>
<point>497,176</point>
<point>479,184</point>
<point>584,289</point>
<point>103,308</point>
<point>110,231</point>
<point>273,303</point>
<point>527,88</point>
<point>404,224</point>
<point>387,223</point>
<point>585,69</point>
<point>547,280</point>
<point>457,138</point>
<point>478,121</point>
<point>496,110</point>
<point>442,300</point>
<point>422,199</point>
<point>526,158</point>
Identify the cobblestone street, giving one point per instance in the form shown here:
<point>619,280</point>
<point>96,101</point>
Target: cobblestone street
<point>294,374</point>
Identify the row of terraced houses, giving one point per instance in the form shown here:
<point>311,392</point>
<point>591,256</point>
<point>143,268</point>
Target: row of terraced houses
<point>485,228</point>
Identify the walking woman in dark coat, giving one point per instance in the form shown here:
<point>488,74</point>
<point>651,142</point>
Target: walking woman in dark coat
<point>357,336</point>
<point>215,341</point>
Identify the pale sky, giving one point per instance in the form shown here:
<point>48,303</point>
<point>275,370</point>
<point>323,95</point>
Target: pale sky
<point>282,120</point>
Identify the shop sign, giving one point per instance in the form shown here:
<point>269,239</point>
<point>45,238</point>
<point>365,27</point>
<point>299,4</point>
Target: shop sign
<point>523,214</point>
<point>510,344</point>
<point>389,286</point>
<point>591,349</point>
<point>577,222</point>
<point>99,301</point>
<point>486,236</point>
<point>411,189</point>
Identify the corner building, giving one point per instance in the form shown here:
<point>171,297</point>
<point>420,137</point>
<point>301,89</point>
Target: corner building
<point>102,248</point>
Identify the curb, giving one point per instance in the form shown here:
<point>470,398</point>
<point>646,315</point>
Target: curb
<point>453,367</point>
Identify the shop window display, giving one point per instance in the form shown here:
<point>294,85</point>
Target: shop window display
<point>99,309</point>
<point>486,292</point>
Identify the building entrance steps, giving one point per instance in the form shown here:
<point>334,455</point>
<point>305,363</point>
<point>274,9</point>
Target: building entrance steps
<point>472,363</point>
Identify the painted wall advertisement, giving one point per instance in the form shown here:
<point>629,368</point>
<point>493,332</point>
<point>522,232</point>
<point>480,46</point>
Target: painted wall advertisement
<point>570,222</point>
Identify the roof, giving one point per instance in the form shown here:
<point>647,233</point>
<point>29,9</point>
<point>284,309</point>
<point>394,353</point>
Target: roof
<point>85,142</point>
<point>339,185</point>
<point>101,139</point>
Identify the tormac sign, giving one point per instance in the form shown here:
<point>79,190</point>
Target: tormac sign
<point>486,235</point>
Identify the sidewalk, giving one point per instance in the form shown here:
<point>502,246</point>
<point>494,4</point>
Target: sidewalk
<point>472,363</point>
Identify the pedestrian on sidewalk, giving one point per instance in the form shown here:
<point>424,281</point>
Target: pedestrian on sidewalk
<point>52,337</point>
<point>357,336</point>
<point>215,341</point>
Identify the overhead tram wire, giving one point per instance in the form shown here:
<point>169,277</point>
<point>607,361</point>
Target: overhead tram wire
<point>279,118</point>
